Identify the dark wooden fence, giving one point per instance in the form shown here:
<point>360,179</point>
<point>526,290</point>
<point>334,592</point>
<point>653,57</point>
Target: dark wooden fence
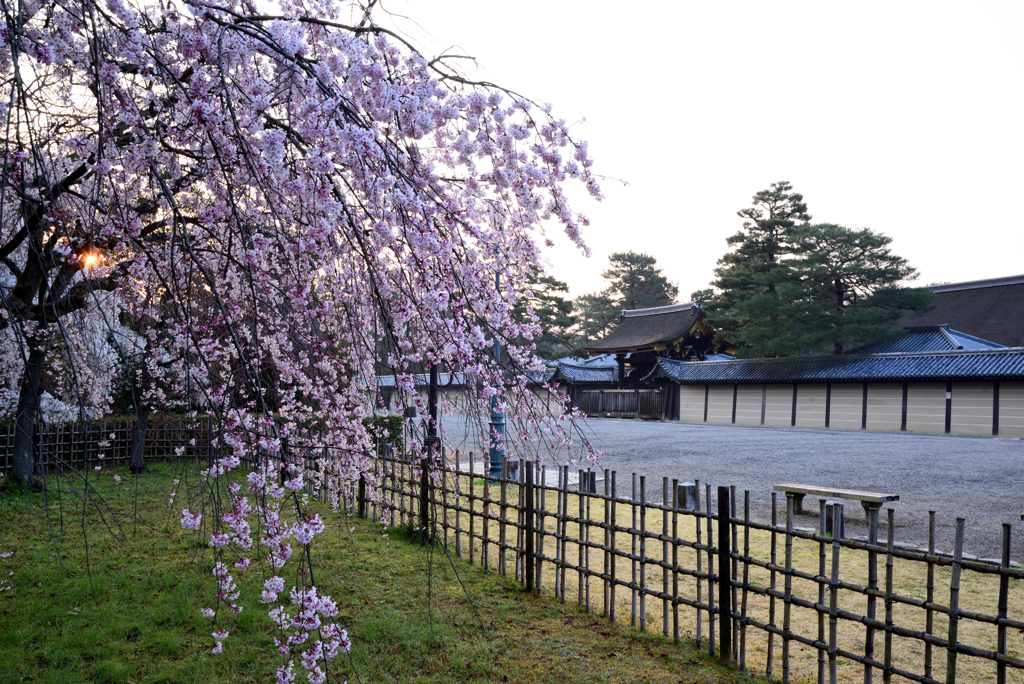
<point>795,603</point>
<point>647,404</point>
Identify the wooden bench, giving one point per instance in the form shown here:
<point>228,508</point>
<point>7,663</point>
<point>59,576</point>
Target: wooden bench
<point>871,501</point>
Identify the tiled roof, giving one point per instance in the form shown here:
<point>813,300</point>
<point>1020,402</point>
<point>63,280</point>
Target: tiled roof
<point>987,364</point>
<point>990,309</point>
<point>582,374</point>
<point>639,328</point>
<point>927,338</point>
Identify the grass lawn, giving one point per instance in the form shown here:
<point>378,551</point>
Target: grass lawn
<point>132,613</point>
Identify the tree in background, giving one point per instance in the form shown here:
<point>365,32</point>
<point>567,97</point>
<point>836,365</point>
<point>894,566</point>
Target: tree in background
<point>595,315</point>
<point>752,281</point>
<point>635,281</point>
<point>543,305</point>
<point>845,287</point>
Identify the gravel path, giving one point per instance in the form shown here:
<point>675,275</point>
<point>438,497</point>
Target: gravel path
<point>981,479</point>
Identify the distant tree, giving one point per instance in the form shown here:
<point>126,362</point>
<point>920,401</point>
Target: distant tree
<point>595,315</point>
<point>636,282</point>
<point>846,287</point>
<point>752,280</point>
<point>704,296</point>
<point>553,313</point>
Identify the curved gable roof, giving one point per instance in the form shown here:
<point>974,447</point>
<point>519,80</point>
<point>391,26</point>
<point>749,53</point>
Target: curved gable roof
<point>647,328</point>
<point>991,309</point>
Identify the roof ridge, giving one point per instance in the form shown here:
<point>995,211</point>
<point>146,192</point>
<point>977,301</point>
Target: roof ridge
<point>884,355</point>
<point>977,284</point>
<point>654,311</point>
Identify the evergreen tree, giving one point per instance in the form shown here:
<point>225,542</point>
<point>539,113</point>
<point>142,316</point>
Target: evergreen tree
<point>845,286</point>
<point>553,312</point>
<point>636,282</point>
<point>595,315</point>
<point>753,280</point>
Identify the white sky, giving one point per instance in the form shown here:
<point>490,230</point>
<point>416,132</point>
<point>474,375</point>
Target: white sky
<point>904,117</point>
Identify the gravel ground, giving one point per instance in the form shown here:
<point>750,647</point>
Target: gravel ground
<point>980,479</point>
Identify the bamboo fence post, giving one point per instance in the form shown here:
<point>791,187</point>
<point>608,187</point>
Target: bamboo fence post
<point>444,498</point>
<point>633,563</point>
<point>1004,589</point>
<point>472,498</point>
<point>485,557</point>
<point>788,589</point>
<point>675,562</point>
<point>711,574</point>
<point>558,534</point>
<point>586,528</point>
<point>725,628</point>
<point>664,556</point>
<point>521,525</point>
<point>822,556</point>
<point>565,524</point>
<point>401,491</point>
<point>583,598</point>
<point>643,555</point>
<point>833,601</point>
<point>540,511</point>
<point>889,545</point>
<point>503,557</point>
<point>930,595</point>
<point>700,558</point>
<point>458,498</point>
<point>607,541</point>
<point>528,536</point>
<point>954,601</point>
<point>869,639</point>
<point>611,584</point>
<point>734,573</point>
<point>746,579</point>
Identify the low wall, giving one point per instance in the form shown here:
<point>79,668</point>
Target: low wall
<point>957,408</point>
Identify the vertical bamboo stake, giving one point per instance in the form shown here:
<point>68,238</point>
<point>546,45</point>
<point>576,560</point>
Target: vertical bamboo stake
<point>528,533</point>
<point>458,504</point>
<point>472,496</point>
<point>664,556</point>
<point>565,524</point>
<point>485,557</point>
<point>833,601</point>
<point>611,584</point>
<point>633,563</point>
<point>930,595</point>
<point>725,621</point>
<point>700,558</point>
<point>444,498</point>
<point>788,588</point>
<point>1004,590</point>
<point>502,539</point>
<point>746,579</point>
<point>711,574</point>
<point>581,547</point>
<point>607,541</point>
<point>954,601</point>
<point>869,641</point>
<point>540,511</point>
<point>822,556</point>
<point>734,572</point>
<point>643,555</point>
<point>890,544</point>
<point>675,562</point>
<point>521,525</point>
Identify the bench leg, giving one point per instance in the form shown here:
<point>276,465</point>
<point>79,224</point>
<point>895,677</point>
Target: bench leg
<point>798,502</point>
<point>868,508</point>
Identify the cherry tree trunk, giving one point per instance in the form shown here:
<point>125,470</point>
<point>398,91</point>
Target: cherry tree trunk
<point>138,464</point>
<point>24,463</point>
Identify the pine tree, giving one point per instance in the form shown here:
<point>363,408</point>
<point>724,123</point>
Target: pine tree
<point>845,287</point>
<point>553,312</point>
<point>636,282</point>
<point>753,280</point>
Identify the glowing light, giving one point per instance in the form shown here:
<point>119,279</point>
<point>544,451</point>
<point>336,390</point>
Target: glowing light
<point>90,260</point>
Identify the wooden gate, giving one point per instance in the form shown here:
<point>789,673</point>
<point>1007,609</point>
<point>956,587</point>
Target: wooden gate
<point>648,404</point>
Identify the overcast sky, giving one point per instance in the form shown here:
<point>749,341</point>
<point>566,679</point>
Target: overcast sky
<point>902,117</point>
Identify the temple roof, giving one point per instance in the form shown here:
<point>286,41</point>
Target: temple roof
<point>649,328</point>
<point>975,364</point>
<point>926,338</point>
<point>990,309</point>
